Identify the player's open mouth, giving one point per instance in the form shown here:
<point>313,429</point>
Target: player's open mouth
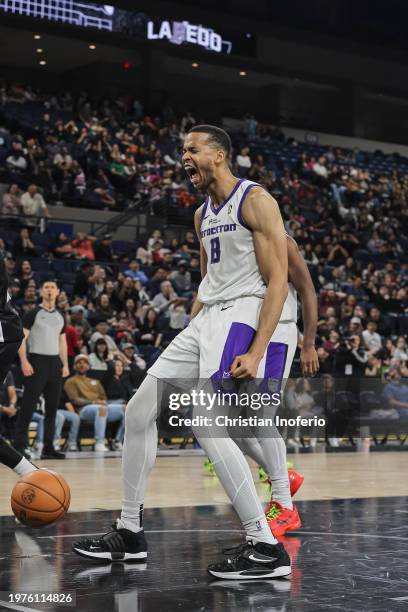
<point>192,173</point>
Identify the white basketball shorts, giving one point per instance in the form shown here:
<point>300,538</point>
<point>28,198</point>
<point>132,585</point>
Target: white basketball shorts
<point>207,347</point>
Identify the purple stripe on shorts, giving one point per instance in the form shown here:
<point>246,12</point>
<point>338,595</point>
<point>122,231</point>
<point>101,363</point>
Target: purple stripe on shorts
<point>275,360</point>
<point>239,340</point>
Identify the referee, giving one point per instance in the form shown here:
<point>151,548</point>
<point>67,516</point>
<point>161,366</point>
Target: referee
<point>43,368</point>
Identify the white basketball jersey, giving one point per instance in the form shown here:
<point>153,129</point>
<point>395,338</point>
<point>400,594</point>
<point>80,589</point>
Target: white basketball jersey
<point>232,269</point>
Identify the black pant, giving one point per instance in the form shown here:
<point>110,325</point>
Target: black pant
<point>47,379</point>
<point>8,352</point>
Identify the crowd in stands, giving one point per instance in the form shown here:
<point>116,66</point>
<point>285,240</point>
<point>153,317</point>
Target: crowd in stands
<point>346,208</point>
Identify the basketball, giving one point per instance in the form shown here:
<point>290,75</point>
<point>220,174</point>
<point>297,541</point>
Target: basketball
<point>40,498</point>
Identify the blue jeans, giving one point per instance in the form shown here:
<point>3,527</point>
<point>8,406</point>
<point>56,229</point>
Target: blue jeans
<point>73,419</point>
<point>39,419</point>
<point>115,412</point>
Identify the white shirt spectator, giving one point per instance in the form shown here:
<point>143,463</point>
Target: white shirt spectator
<point>17,162</point>
<point>372,341</point>
<point>59,158</point>
<point>33,205</point>
<point>320,169</point>
<point>244,161</point>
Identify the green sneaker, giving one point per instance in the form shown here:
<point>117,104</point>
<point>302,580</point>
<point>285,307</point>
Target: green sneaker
<point>208,466</point>
<point>263,476</point>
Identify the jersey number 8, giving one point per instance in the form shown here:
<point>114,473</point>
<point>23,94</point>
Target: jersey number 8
<point>215,250</point>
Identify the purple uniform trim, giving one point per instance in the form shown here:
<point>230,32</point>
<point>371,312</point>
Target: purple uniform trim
<point>276,360</point>
<point>217,210</point>
<point>239,340</point>
<point>239,211</point>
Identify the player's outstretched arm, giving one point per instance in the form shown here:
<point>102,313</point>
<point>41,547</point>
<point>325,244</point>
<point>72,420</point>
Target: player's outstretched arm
<point>299,276</point>
<point>262,215</point>
<point>197,306</point>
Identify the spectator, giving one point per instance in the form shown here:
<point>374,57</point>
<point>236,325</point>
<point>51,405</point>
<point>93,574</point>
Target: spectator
<point>396,392</point>
<point>23,244</point>
<point>167,296</point>
<point>67,414</point>
<point>135,273</point>
<point>62,247</point>
<point>34,206</point>
<point>82,246</point>
<point>72,340</point>
<point>104,308</point>
<point>12,201</point>
<point>101,331</point>
<point>135,365</point>
<point>16,162</point>
<point>89,399</point>
<point>85,279</point>
<point>100,358</point>
<point>401,350</point>
<point>372,340</point>
<point>149,334</point>
<point>103,249</point>
<point>243,162</point>
<point>181,280</point>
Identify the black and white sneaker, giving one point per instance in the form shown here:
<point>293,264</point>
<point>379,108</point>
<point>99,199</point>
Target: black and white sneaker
<point>116,545</point>
<point>252,561</point>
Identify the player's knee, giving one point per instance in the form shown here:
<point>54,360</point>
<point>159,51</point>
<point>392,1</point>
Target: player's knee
<point>138,417</point>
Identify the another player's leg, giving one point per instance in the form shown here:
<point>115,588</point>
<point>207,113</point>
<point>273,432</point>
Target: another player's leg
<point>14,460</point>
<point>251,447</point>
<point>282,515</point>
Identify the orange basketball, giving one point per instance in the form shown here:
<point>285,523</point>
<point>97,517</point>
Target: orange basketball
<point>40,498</point>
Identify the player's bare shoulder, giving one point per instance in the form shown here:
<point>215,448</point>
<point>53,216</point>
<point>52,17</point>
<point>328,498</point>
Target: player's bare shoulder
<point>259,207</point>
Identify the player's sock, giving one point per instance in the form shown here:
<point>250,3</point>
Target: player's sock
<point>139,453</point>
<point>24,467</point>
<point>258,530</point>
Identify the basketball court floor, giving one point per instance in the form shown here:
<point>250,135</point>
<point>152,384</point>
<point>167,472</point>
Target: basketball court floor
<point>350,555</point>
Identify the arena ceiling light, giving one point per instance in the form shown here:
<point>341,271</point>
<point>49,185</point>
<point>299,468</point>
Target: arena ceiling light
<point>242,73</point>
<point>37,36</point>
<point>39,50</point>
<point>195,65</point>
<point>42,63</point>
<point>92,47</point>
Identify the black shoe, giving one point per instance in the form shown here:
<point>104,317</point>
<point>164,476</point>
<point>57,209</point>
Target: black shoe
<point>51,453</point>
<point>116,545</point>
<point>252,561</point>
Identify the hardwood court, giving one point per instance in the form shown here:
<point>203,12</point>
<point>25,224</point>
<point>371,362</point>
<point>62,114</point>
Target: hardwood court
<point>181,481</point>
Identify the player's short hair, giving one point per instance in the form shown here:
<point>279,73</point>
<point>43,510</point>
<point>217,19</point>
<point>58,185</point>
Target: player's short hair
<point>216,135</point>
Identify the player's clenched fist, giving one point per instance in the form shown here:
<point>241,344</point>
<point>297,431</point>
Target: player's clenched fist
<point>245,366</point>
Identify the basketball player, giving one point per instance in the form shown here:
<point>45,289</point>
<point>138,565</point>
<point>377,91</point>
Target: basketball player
<point>281,513</point>
<point>235,332</point>
<point>11,335</point>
